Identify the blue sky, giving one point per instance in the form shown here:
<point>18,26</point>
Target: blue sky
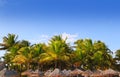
<point>38,20</point>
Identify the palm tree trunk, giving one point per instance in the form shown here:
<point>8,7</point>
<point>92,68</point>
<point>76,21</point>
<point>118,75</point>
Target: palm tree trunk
<point>20,70</point>
<point>28,66</point>
<point>38,66</point>
<point>56,64</point>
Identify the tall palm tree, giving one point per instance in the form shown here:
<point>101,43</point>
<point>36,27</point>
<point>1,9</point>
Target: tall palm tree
<point>12,57</point>
<point>103,55</point>
<point>37,50</point>
<point>26,52</point>
<point>8,41</point>
<point>24,43</point>
<point>59,51</point>
<point>92,55</point>
<point>9,44</point>
<point>117,54</point>
<point>117,60</point>
<point>83,52</point>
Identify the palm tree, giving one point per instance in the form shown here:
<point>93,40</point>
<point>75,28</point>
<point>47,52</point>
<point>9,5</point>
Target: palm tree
<point>58,52</point>
<point>117,54</point>
<point>83,52</point>
<point>37,50</point>
<point>92,55</point>
<point>8,41</point>
<point>102,55</point>
<point>9,56</point>
<point>14,51</point>
<point>9,44</point>
<point>117,60</point>
<point>26,52</point>
<point>24,43</point>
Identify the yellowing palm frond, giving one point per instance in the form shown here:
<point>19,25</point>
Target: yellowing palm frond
<point>19,59</point>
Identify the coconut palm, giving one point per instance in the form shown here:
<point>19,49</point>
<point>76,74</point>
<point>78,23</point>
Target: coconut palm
<point>26,52</point>
<point>83,51</point>
<point>117,60</point>
<point>8,41</point>
<point>37,50</point>
<point>118,54</point>
<point>90,54</point>
<point>10,45</point>
<point>13,52</point>
<point>102,56</point>
<point>9,56</point>
<point>24,43</point>
<point>58,52</point>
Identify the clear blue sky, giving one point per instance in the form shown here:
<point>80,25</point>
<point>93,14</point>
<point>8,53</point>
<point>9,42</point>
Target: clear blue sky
<point>37,19</point>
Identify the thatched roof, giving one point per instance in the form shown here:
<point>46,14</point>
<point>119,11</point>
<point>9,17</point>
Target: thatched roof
<point>47,72</point>
<point>110,71</point>
<point>56,72</point>
<point>87,73</point>
<point>76,72</point>
<point>66,72</point>
<point>27,72</point>
<point>97,73</point>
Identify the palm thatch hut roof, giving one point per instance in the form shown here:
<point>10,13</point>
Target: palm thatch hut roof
<point>110,71</point>
<point>97,73</point>
<point>66,72</point>
<point>87,73</point>
<point>47,73</point>
<point>76,72</point>
<point>56,73</point>
<point>27,72</point>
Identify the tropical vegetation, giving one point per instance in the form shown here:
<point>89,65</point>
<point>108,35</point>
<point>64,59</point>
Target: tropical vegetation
<point>85,54</point>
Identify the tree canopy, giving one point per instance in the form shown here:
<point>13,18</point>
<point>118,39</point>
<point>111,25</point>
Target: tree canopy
<point>85,54</point>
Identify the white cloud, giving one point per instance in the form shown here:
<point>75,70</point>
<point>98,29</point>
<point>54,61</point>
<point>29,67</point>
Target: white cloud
<point>70,37</point>
<point>41,39</point>
<point>44,36</point>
